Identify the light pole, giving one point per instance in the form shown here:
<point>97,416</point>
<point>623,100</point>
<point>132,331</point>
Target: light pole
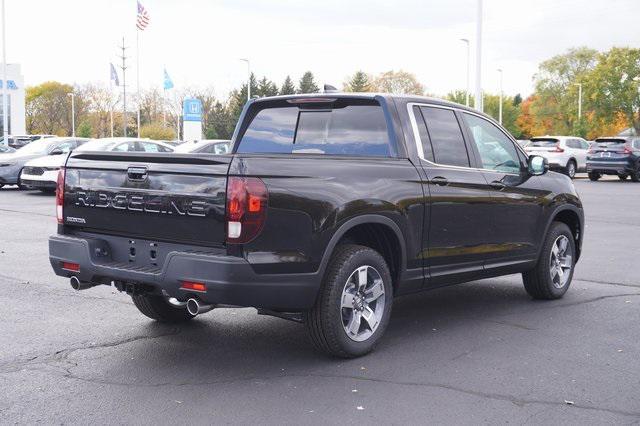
<point>248,77</point>
<point>579,101</point>
<point>500,106</point>
<point>73,113</point>
<point>479,101</point>
<point>5,106</point>
<point>466,41</point>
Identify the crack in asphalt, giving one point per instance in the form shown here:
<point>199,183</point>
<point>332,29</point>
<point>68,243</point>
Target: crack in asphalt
<point>25,212</point>
<point>607,283</point>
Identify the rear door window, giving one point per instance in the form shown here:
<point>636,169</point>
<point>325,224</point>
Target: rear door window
<point>359,130</point>
<point>446,137</point>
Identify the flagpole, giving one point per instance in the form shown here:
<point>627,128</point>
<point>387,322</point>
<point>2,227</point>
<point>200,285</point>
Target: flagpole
<point>111,101</point>
<point>138,77</point>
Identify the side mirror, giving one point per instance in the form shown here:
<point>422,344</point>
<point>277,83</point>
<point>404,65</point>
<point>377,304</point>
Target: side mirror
<point>538,165</point>
<point>56,151</point>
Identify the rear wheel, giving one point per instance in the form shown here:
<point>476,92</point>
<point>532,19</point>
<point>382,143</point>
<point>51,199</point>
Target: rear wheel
<point>594,176</point>
<point>157,308</point>
<point>354,304</point>
<point>551,277</point>
<point>623,177</point>
<point>570,169</point>
<point>635,175</point>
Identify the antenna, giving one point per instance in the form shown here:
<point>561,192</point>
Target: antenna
<point>124,67</point>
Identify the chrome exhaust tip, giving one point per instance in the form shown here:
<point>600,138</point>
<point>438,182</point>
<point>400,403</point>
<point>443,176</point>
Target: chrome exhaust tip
<point>78,285</point>
<point>195,308</point>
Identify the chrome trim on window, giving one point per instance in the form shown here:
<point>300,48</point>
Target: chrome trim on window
<point>419,146</point>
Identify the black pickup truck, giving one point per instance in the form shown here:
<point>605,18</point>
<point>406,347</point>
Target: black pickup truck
<point>328,206</point>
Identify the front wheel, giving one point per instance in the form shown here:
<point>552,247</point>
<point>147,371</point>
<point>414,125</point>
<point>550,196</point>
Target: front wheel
<point>593,176</point>
<point>551,277</point>
<point>157,308</point>
<point>570,169</point>
<point>354,304</point>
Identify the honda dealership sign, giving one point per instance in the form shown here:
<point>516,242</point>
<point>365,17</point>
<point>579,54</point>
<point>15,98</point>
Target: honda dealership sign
<point>15,94</point>
<point>191,119</point>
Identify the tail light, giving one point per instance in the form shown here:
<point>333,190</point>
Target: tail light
<point>558,149</point>
<point>60,196</point>
<point>627,150</point>
<point>246,208</point>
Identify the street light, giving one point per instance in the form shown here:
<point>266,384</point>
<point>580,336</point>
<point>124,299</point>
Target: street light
<point>5,106</point>
<point>479,101</point>
<point>500,106</point>
<point>73,113</point>
<point>248,77</point>
<point>466,41</point>
<point>579,100</point>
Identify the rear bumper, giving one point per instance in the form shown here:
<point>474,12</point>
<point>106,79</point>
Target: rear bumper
<point>609,167</point>
<point>37,184</point>
<point>229,280</point>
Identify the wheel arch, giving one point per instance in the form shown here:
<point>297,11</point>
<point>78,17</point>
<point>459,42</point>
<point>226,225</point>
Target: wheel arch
<point>574,219</point>
<point>385,237</point>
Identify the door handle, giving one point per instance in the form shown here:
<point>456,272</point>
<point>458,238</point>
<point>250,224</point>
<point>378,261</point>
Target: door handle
<point>496,184</point>
<point>439,180</point>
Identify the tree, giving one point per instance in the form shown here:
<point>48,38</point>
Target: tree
<point>156,131</point>
<point>48,108</point>
<point>287,87</point>
<point>510,112</point>
<point>613,86</point>
<point>556,87</point>
<point>459,97</point>
<point>358,82</point>
<point>84,130</point>
<point>399,82</point>
<point>517,100</point>
<point>266,87</point>
<point>219,123</point>
<point>307,83</point>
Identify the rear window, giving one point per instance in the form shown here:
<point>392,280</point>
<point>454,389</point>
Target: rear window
<point>543,143</point>
<point>610,142</point>
<point>347,130</point>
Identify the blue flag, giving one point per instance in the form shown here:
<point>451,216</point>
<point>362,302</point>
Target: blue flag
<point>114,75</point>
<point>168,84</point>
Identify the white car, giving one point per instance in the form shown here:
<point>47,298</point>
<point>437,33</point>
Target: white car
<point>566,154</point>
<point>209,146</point>
<point>42,173</point>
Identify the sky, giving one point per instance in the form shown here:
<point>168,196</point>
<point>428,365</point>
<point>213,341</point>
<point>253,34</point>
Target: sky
<point>200,42</point>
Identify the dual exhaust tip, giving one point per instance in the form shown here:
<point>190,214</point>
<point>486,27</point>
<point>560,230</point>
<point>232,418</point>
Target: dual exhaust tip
<point>194,306</point>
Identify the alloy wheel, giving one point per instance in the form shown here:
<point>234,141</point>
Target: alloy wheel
<point>362,303</point>
<point>561,261</point>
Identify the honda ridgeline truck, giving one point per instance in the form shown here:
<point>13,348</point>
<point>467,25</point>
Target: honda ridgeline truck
<point>327,207</point>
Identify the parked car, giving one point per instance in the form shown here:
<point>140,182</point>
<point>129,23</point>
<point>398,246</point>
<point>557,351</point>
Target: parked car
<point>329,206</point>
<point>566,154</point>
<point>209,146</point>
<point>523,142</point>
<point>11,164</point>
<point>122,144</point>
<point>42,172</point>
<point>615,155</point>
<point>18,141</point>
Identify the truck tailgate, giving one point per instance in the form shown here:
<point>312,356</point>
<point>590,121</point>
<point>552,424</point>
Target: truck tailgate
<point>164,197</point>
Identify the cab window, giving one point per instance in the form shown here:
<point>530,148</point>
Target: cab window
<point>496,150</point>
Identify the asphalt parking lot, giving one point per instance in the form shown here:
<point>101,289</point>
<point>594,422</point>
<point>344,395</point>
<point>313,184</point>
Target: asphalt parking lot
<point>481,352</point>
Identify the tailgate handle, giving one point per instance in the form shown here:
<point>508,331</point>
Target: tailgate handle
<point>137,173</point>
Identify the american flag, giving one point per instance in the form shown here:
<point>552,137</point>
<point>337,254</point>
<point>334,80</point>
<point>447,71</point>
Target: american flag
<point>143,17</point>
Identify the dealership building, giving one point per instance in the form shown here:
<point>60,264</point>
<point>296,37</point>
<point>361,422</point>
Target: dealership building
<point>15,101</point>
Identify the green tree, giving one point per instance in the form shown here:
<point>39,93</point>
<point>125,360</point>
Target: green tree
<point>48,108</point>
<point>556,88</point>
<point>219,123</point>
<point>517,100</point>
<point>288,87</point>
<point>84,130</point>
<point>266,87</point>
<point>613,87</point>
<point>510,112</point>
<point>358,82</point>
<point>307,83</point>
<point>459,97</point>
<point>400,82</point>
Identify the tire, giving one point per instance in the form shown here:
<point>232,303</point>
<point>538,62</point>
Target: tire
<point>157,308</point>
<point>623,177</point>
<point>593,176</point>
<point>327,321</point>
<point>542,282</point>
<point>21,187</point>
<point>1,185</point>
<point>635,175</point>
<point>570,169</point>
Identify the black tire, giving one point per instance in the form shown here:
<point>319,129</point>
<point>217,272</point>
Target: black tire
<point>324,321</point>
<point>1,185</point>
<point>21,187</point>
<point>593,176</point>
<point>538,282</point>
<point>635,175</point>
<point>157,308</point>
<point>570,169</point>
<point>623,177</point>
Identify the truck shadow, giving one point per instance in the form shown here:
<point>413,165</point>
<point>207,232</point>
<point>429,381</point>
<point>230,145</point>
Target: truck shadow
<point>239,345</point>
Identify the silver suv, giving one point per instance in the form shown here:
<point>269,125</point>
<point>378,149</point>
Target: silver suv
<point>566,154</point>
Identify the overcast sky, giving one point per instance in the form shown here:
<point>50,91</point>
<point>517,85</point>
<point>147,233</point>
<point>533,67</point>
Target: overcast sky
<point>200,42</point>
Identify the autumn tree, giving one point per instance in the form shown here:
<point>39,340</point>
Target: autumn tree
<point>399,82</point>
<point>48,108</point>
